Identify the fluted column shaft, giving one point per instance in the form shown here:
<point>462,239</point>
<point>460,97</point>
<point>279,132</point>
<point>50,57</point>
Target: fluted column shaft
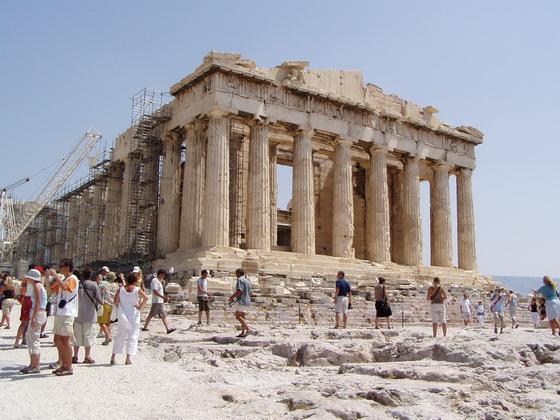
<point>440,218</point>
<point>343,201</point>
<point>192,213</point>
<point>303,195</point>
<point>169,206</point>
<point>96,227</point>
<point>379,241</point>
<point>258,189</point>
<point>113,213</point>
<point>71,227</point>
<point>273,195</point>
<point>412,234</point>
<point>465,221</point>
<point>216,209</point>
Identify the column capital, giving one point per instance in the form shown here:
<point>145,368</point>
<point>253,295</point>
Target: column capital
<point>219,112</point>
<point>441,166</point>
<point>379,149</point>
<point>256,120</point>
<point>172,137</point>
<point>306,132</point>
<point>343,141</point>
<point>464,171</point>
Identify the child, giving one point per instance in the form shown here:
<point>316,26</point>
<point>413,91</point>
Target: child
<point>480,312</point>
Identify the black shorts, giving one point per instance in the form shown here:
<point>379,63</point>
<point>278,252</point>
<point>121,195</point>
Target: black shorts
<point>382,309</point>
<point>203,304</point>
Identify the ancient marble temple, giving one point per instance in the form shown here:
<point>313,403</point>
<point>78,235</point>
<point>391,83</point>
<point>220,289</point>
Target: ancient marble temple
<point>358,156</point>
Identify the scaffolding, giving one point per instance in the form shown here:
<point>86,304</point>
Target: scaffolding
<point>149,109</point>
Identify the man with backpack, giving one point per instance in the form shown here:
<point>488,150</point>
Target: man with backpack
<point>382,308</point>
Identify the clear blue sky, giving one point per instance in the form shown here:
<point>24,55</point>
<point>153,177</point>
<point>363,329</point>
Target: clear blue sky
<point>495,65</point>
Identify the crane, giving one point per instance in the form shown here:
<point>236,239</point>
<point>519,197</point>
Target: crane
<point>13,225</point>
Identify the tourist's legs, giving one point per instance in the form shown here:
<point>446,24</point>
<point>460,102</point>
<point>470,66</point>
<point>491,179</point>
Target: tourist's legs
<point>444,329</point>
<point>208,316</point>
<point>344,320</point>
<point>434,329</point>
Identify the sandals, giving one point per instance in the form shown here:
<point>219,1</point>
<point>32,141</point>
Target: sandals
<point>54,366</point>
<point>31,371</point>
<point>25,369</point>
<point>88,361</point>
<point>64,372</point>
<point>106,342</point>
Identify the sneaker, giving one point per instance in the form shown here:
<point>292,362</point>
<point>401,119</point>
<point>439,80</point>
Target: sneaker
<point>44,336</point>
<point>145,329</point>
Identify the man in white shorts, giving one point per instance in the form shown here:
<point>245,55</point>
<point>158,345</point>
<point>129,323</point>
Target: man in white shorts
<point>342,299</point>
<point>465,305</point>
<point>241,300</point>
<point>437,296</point>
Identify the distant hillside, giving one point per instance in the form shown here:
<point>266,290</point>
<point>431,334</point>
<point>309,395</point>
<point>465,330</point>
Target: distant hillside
<point>520,284</point>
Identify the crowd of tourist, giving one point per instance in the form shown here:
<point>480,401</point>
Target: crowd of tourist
<point>80,300</point>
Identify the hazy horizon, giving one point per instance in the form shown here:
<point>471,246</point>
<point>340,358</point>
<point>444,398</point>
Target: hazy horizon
<point>493,65</point>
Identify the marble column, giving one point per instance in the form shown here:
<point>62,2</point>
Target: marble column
<point>113,213</point>
<point>216,209</point>
<point>440,218</point>
<point>273,194</point>
<point>397,223</point>
<point>412,233</point>
<point>238,169</point>
<point>170,195</point>
<point>98,227</point>
<point>303,195</point>
<point>465,220</point>
<point>379,241</point>
<point>71,227</point>
<point>258,188</point>
<point>193,187</point>
<point>343,201</point>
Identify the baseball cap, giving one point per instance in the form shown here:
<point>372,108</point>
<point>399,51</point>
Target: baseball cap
<point>136,269</point>
<point>105,268</point>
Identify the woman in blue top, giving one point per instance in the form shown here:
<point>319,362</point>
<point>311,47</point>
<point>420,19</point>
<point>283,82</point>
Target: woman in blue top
<point>551,296</point>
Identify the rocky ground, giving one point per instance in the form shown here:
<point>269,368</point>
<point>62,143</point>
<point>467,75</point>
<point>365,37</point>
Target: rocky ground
<point>298,371</point>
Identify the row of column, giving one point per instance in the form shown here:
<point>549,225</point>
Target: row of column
<point>205,204</point>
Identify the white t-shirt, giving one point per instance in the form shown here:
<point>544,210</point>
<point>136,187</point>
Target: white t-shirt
<point>156,286</point>
<point>465,306</point>
<point>203,283</point>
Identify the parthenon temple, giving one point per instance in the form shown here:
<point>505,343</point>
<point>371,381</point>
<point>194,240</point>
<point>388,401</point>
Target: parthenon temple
<point>194,183</point>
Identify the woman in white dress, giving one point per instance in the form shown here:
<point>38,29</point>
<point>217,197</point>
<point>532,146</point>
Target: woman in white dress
<point>129,301</point>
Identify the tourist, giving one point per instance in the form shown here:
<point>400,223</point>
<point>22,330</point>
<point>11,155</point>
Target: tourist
<point>241,301</point>
<point>25,301</point>
<point>84,333</point>
<point>437,296</point>
<point>202,297</point>
<point>129,300</point>
<point>8,302</point>
<point>512,304</point>
<point>139,277</point>
<point>66,288</point>
<point>102,274</point>
<point>534,309</point>
<point>342,299</point>
<point>108,288</point>
<point>37,318</point>
<point>158,298</point>
<point>465,306</point>
<point>480,313</point>
<point>382,308</point>
<point>48,280</point>
<point>552,302</point>
<point>497,302</point>
<point>542,309</point>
